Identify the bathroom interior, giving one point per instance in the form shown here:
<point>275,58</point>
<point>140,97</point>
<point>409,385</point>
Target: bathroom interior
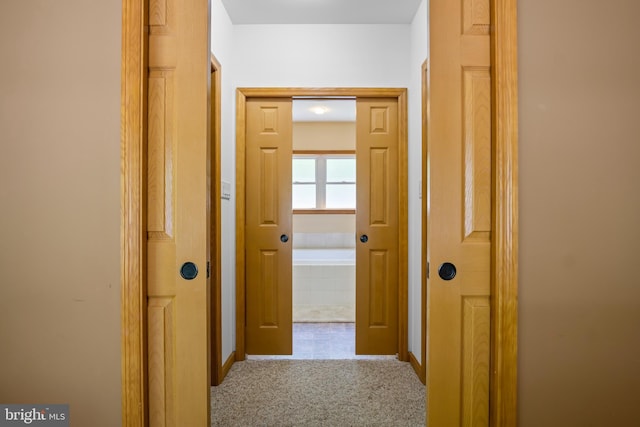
<point>324,188</point>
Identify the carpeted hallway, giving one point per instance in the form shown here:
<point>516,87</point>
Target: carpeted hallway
<point>310,393</point>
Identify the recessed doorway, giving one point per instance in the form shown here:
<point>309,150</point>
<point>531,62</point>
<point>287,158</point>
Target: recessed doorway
<point>380,322</point>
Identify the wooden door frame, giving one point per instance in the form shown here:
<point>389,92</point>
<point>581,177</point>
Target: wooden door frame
<point>403,199</point>
<point>504,256</point>
<point>218,371</point>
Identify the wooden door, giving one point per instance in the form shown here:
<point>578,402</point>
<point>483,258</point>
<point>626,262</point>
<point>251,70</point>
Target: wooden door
<point>215,225</point>
<point>459,213</point>
<point>377,141</point>
<point>268,225</point>
<point>178,213</point>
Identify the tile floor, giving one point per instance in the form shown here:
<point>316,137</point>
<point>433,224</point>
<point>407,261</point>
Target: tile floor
<point>321,341</point>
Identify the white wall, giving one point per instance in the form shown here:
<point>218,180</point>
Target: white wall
<point>419,52</point>
<point>221,45</point>
<point>321,55</point>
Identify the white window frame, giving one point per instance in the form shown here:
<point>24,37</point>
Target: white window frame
<point>321,177</point>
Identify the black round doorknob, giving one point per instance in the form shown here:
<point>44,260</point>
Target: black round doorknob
<point>189,271</point>
<point>364,238</point>
<point>284,238</point>
<point>447,271</point>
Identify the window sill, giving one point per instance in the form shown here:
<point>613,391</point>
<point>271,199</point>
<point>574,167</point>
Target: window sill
<point>324,211</point>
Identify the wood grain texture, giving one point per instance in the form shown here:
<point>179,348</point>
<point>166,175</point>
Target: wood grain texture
<point>241,219</point>
<point>403,227</point>
<point>158,12</point>
<point>475,361</point>
<point>160,150</point>
<point>156,155</point>
<point>504,257</point>
<point>476,17</point>
<point>133,216</point>
<point>425,196</point>
<point>161,362</point>
<point>476,89</point>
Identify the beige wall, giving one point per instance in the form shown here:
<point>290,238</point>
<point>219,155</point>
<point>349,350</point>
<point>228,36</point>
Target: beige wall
<point>59,206</point>
<point>324,135</point>
<point>580,213</point>
<point>324,223</point>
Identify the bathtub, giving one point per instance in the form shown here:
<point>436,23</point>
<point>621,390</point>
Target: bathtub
<point>337,256</point>
<point>324,285</point>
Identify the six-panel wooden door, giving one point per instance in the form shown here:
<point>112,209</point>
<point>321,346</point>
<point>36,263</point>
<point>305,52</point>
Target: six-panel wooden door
<point>178,156</point>
<point>459,214</point>
<point>268,226</point>
<point>377,141</point>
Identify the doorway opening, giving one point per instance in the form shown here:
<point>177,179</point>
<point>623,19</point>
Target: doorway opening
<point>337,186</point>
<point>323,207</point>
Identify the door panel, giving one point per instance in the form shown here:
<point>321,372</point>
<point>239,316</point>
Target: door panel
<point>459,213</point>
<point>268,217</point>
<point>377,141</point>
<point>215,224</point>
<point>177,212</point>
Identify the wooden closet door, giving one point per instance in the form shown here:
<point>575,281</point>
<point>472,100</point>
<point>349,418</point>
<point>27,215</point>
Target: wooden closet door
<point>377,140</point>
<point>459,214</point>
<point>268,226</point>
<point>178,289</point>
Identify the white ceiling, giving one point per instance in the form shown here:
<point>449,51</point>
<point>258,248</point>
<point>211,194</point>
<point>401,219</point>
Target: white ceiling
<point>321,11</point>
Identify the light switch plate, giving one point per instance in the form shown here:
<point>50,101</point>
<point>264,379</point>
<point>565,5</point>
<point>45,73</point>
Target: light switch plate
<point>226,190</point>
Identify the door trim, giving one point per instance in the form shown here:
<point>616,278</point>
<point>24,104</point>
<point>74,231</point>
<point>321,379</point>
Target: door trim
<point>504,279</point>
<point>503,388</point>
<point>218,371</point>
<point>133,256</point>
<point>403,240</point>
<point>424,114</point>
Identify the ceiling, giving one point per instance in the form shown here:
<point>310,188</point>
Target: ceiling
<point>324,110</point>
<point>321,11</point>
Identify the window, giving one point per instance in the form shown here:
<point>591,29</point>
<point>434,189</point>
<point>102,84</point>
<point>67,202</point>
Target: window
<point>324,181</point>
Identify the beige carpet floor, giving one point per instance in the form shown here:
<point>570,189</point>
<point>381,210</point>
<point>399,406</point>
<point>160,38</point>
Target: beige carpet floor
<point>307,393</point>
